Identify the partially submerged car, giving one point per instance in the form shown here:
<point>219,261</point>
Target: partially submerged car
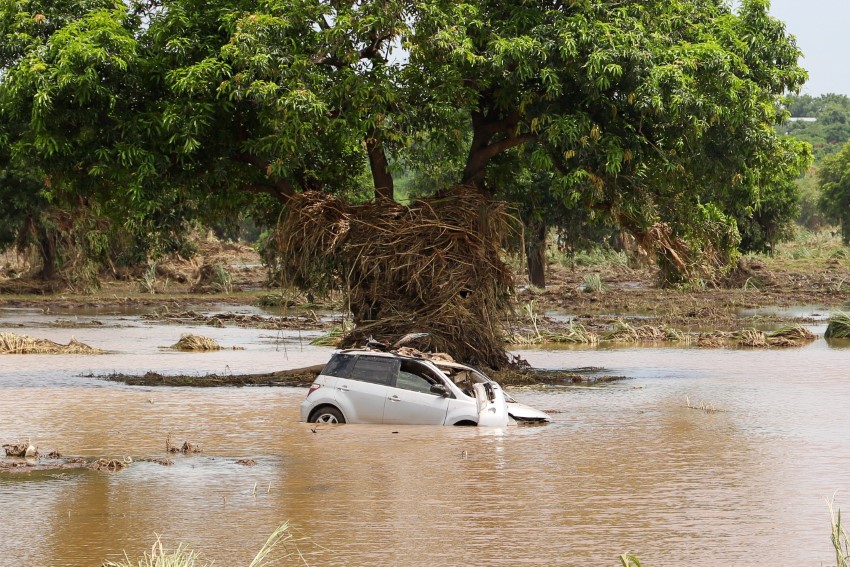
<point>367,386</point>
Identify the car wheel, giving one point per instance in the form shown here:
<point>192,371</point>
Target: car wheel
<point>327,414</point>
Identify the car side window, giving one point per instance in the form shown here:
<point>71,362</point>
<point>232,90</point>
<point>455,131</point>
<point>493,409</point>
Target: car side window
<point>415,377</point>
<point>409,381</point>
<point>374,369</point>
<point>339,365</point>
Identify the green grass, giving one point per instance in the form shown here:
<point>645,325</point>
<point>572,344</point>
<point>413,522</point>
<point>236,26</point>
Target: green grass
<point>839,537</point>
<point>599,257</point>
<point>592,283</point>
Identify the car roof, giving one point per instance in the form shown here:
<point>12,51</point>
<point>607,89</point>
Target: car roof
<point>436,362</point>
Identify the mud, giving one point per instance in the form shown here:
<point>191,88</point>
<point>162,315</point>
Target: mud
<point>300,377</point>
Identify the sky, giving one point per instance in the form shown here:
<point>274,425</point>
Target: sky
<point>822,28</point>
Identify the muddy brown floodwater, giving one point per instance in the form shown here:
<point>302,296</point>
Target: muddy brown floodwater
<point>625,466</point>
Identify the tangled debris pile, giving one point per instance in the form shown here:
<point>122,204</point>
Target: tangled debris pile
<point>11,343</point>
<point>434,267</point>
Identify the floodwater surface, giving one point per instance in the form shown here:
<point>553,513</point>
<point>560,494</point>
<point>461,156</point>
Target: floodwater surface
<point>625,466</point>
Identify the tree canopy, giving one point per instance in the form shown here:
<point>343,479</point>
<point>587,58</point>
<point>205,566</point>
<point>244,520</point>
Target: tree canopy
<point>834,182</point>
<point>659,114</point>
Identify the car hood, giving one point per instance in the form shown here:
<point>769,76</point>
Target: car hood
<point>522,412</point>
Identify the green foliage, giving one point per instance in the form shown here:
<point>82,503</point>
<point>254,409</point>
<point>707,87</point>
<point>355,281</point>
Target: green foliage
<point>822,121</point>
<point>634,115</point>
<point>592,283</point>
<point>838,327</point>
<point>834,181</point>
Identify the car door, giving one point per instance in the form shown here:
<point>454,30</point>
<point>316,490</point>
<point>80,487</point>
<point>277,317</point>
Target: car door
<point>411,401</point>
<point>362,394</point>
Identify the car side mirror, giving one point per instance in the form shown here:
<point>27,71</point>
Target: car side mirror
<point>440,390</point>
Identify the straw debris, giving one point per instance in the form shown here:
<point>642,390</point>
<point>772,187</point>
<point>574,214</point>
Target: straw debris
<point>626,333</point>
<point>191,342</point>
<point>12,343</point>
<point>434,267</point>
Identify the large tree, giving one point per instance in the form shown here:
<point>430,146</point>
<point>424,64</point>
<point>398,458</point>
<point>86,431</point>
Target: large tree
<point>656,113</point>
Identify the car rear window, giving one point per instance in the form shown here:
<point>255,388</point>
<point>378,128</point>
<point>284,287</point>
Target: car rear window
<point>339,365</point>
<point>377,370</point>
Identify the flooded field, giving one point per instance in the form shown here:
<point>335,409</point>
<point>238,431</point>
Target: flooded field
<point>626,466</point>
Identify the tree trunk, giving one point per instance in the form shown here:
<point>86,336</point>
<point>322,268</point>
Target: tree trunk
<point>379,165</point>
<point>535,253</point>
<point>47,251</point>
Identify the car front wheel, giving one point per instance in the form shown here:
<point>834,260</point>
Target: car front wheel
<point>327,415</point>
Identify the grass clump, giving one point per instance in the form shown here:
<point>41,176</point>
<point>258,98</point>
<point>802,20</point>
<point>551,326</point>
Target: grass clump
<point>838,327</point>
<point>280,539</point>
<point>148,282</point>
<point>592,283</point>
<point>180,557</point>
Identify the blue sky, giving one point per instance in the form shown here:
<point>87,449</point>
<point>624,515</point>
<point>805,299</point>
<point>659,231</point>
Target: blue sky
<point>822,28</point>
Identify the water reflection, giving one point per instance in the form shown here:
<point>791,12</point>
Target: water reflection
<point>624,466</point>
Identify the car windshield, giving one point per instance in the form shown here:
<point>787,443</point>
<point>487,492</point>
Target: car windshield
<point>465,377</point>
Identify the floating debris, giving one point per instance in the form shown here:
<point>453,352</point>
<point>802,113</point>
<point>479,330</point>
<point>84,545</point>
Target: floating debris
<point>21,450</point>
<point>707,408</point>
<point>247,462</point>
<point>12,343</point>
<point>187,448</point>
<point>109,465</point>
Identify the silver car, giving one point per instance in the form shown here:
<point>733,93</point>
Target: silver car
<point>365,386</point>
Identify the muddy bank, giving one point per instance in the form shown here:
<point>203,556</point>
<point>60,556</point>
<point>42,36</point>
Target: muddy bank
<point>299,377</point>
<point>303,377</point>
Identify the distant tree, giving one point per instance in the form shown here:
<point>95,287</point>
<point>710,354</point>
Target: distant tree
<point>834,180</point>
<point>830,128</point>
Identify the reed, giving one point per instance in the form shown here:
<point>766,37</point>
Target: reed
<point>148,282</point>
<point>839,537</point>
<point>180,557</point>
<point>282,545</point>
